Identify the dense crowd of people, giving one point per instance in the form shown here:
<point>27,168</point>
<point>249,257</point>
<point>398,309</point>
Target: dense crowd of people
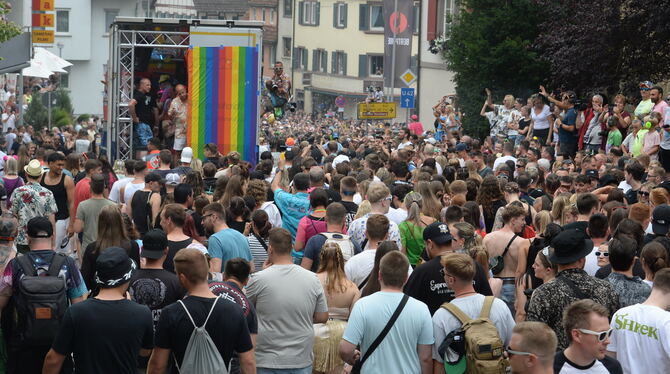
<point>347,246</point>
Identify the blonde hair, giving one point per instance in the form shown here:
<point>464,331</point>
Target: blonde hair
<point>11,166</point>
<point>537,338</point>
<point>196,165</point>
<point>541,221</point>
<point>470,238</point>
<point>459,265</point>
<point>472,170</point>
<point>557,207</point>
<point>414,204</point>
<point>331,261</point>
<point>481,256</point>
<point>364,208</point>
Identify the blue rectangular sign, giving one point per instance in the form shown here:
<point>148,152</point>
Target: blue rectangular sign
<point>407,98</point>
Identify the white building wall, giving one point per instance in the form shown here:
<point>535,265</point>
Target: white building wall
<point>435,80</point>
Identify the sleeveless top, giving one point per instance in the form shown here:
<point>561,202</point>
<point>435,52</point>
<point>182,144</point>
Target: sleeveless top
<point>173,248</point>
<point>411,236</point>
<point>60,194</point>
<point>141,211</point>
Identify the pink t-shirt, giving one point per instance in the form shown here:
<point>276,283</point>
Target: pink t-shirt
<point>651,139</point>
<point>416,128</point>
<point>660,107</point>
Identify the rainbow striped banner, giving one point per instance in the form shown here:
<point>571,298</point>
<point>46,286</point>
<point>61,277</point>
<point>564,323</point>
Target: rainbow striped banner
<point>223,96</point>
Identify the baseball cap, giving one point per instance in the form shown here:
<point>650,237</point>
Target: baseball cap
<point>438,232</point>
<point>461,147</point>
<point>154,244</point>
<point>186,154</point>
<point>452,350</point>
<point>414,117</point>
<point>660,221</point>
<point>40,227</point>
<point>153,177</point>
<point>172,179</point>
<point>592,173</point>
<point>290,142</point>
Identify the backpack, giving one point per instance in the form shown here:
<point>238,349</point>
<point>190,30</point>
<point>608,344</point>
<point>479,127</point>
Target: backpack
<point>201,355</point>
<point>346,246</point>
<point>39,303</point>
<point>483,346</point>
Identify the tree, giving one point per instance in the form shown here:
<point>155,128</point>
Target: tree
<point>581,41</point>
<point>8,29</point>
<point>490,44</point>
<point>36,114</point>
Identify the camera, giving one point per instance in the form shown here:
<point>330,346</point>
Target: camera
<point>581,104</point>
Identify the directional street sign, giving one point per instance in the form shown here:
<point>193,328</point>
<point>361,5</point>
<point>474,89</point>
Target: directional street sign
<point>407,98</point>
<point>376,110</point>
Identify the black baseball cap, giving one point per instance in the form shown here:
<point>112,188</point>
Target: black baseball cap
<point>660,219</point>
<point>154,243</point>
<point>438,232</point>
<point>153,177</point>
<point>40,227</point>
<point>592,173</point>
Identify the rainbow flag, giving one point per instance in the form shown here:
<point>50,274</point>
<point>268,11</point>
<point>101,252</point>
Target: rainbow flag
<point>223,96</point>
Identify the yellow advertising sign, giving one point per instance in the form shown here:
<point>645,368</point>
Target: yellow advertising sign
<point>43,5</point>
<point>43,36</point>
<point>376,110</point>
<point>43,20</point>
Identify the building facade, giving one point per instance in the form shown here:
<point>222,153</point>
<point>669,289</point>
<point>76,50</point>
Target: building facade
<point>266,11</point>
<point>435,81</point>
<point>338,50</point>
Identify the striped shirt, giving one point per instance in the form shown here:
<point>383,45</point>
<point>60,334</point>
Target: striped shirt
<point>258,252</point>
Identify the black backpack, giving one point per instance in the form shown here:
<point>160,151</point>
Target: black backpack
<point>39,303</point>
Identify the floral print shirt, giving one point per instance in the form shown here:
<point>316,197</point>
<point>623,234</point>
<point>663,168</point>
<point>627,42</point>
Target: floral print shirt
<point>30,201</point>
<point>178,113</point>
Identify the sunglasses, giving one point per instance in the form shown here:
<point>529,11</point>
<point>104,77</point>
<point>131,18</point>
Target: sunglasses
<point>604,254</point>
<point>602,335</point>
<point>511,352</point>
<point>643,193</point>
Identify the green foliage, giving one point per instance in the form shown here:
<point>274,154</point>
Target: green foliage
<point>60,117</point>
<point>8,29</point>
<point>490,45</point>
<point>37,114</point>
<point>83,118</point>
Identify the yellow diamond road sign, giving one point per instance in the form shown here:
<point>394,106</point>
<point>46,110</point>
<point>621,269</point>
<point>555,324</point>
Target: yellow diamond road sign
<point>408,77</point>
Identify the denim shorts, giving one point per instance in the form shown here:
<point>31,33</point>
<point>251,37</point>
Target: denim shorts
<point>307,370</point>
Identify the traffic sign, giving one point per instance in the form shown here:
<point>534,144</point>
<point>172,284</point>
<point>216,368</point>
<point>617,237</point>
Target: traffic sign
<point>407,98</point>
<point>408,77</point>
<point>340,102</point>
<point>43,36</point>
<point>43,5</point>
<point>43,20</point>
<point>376,110</point>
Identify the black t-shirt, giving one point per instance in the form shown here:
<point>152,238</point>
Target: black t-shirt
<point>608,364</point>
<point>352,209</point>
<point>155,288</point>
<point>631,196</point>
<point>229,291</point>
<point>227,326</point>
<point>105,336</point>
<point>427,284</point>
<point>144,108</point>
<point>579,225</point>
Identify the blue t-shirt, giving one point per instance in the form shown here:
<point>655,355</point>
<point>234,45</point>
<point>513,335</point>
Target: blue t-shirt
<point>397,352</point>
<point>570,119</point>
<point>227,244</point>
<point>293,208</point>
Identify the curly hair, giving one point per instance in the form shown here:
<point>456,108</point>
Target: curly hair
<point>488,193</point>
<point>258,189</point>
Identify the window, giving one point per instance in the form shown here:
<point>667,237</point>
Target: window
<point>273,52</point>
<point>253,14</point>
<point>288,8</point>
<point>272,17</point>
<point>287,47</point>
<point>376,18</point>
<point>446,9</point>
<point>300,58</point>
<point>340,15</point>
<point>110,14</point>
<point>376,66</point>
<point>263,14</point>
<point>339,64</point>
<point>320,61</point>
<point>63,20</point>
<point>309,13</point>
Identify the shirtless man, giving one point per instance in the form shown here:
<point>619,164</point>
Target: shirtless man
<point>514,219</point>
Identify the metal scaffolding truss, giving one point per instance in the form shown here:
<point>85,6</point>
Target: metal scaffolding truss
<point>123,43</point>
